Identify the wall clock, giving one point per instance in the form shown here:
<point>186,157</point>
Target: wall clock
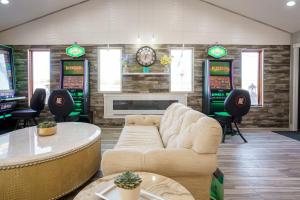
<point>146,56</point>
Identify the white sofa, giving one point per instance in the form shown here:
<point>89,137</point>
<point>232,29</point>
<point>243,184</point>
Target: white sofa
<point>182,144</point>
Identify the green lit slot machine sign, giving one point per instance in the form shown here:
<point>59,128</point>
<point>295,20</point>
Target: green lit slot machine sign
<point>75,51</point>
<point>217,51</point>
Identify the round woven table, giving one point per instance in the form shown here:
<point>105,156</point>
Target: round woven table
<point>163,187</point>
<point>36,168</point>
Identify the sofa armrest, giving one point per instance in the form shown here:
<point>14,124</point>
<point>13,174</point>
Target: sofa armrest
<point>116,161</point>
<point>142,120</point>
<point>167,162</point>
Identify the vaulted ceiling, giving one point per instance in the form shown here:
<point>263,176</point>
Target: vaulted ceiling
<point>271,12</point>
<point>20,11</point>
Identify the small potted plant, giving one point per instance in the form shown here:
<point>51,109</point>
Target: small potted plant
<point>129,185</point>
<point>46,128</point>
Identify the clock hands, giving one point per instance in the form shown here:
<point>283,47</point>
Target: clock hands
<point>146,55</point>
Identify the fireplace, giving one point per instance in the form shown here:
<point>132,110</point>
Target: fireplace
<point>119,105</point>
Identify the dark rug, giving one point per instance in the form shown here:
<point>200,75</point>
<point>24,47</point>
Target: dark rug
<point>72,195</point>
<point>3,131</point>
<point>291,134</point>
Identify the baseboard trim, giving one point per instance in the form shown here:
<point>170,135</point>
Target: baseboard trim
<point>243,129</point>
<point>265,129</point>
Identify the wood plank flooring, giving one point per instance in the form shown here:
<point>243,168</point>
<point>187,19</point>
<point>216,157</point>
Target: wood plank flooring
<point>266,168</point>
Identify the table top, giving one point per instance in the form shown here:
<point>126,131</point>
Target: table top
<point>158,185</point>
<point>25,146</point>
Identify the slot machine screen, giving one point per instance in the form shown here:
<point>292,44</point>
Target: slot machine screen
<point>74,82</point>
<point>219,68</point>
<point>6,74</point>
<point>73,74</point>
<point>220,82</point>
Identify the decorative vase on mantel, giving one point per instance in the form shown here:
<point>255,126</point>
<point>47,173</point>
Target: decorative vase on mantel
<point>146,69</point>
<point>125,69</point>
<point>166,69</point>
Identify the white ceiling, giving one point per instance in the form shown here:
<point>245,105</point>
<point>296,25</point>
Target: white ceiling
<point>273,12</point>
<point>20,11</point>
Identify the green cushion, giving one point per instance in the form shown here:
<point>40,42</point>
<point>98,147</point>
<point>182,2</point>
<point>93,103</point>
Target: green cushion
<point>222,114</point>
<point>74,114</point>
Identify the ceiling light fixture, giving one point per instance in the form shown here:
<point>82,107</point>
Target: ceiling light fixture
<point>139,39</point>
<point>153,38</point>
<point>291,3</point>
<point>5,2</point>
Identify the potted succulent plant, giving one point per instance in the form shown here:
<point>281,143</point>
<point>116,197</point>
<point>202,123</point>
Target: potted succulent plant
<point>129,185</point>
<point>46,128</point>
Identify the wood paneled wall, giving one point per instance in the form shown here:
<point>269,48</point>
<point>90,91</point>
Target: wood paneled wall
<point>274,113</point>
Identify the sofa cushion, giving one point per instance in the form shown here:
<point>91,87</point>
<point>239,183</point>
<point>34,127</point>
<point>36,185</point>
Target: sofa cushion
<point>190,117</point>
<point>142,120</point>
<point>139,138</point>
<point>171,122</point>
<point>201,136</point>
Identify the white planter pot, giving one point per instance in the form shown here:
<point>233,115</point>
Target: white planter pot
<point>130,194</point>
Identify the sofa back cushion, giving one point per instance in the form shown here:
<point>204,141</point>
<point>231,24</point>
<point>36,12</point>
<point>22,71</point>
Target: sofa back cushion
<point>203,136</point>
<point>183,127</point>
<point>171,122</point>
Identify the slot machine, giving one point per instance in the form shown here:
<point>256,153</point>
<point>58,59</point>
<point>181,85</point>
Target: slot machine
<point>218,83</point>
<point>75,78</point>
<point>8,100</point>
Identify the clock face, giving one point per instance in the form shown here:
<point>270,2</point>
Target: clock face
<point>146,56</point>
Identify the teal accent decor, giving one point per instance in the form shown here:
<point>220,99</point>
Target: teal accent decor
<point>146,69</point>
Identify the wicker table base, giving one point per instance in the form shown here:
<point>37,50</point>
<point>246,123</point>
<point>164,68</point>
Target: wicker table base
<point>50,177</point>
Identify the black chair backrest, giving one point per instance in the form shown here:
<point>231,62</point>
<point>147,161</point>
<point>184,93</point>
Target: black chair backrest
<point>37,101</point>
<point>60,104</point>
<point>238,103</point>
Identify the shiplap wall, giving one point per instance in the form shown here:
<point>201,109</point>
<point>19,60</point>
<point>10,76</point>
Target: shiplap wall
<point>120,21</point>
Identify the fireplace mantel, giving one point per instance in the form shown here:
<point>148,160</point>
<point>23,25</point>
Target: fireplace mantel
<point>122,104</point>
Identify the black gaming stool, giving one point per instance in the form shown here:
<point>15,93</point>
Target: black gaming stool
<point>37,104</point>
<point>61,104</point>
<point>237,104</point>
